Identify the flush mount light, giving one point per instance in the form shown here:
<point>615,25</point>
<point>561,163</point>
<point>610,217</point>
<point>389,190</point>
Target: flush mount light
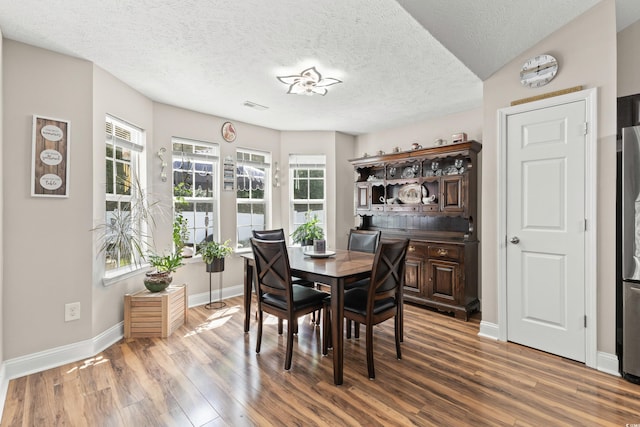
<point>308,82</point>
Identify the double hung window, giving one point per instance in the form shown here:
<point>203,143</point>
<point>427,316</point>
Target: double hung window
<point>252,194</point>
<point>124,159</point>
<point>195,189</point>
<point>308,192</point>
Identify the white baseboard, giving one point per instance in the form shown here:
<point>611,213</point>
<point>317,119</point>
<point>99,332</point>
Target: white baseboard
<point>203,298</point>
<point>607,363</point>
<point>488,330</point>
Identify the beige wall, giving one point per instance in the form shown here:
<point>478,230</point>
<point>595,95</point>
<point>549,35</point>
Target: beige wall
<point>345,212</point>
<point>48,258</point>
<point>1,215</point>
<point>585,49</point>
<point>424,133</point>
<point>117,99</point>
<point>629,60</point>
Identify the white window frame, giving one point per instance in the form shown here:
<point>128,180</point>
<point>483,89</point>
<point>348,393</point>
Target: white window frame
<point>202,152</point>
<point>123,135</point>
<point>308,162</point>
<point>265,200</point>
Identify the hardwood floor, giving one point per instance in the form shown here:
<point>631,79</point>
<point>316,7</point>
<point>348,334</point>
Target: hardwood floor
<point>208,374</point>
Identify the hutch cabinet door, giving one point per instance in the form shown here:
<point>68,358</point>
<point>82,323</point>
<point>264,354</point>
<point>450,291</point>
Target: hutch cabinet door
<point>414,276</point>
<point>443,284</point>
<point>452,193</point>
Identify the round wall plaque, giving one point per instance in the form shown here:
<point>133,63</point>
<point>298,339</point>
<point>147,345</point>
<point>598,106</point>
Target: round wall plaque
<point>228,132</point>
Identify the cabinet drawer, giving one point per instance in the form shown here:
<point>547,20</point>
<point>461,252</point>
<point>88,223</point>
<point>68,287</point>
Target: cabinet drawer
<point>403,208</point>
<point>445,252</point>
<point>431,207</point>
<point>417,249</point>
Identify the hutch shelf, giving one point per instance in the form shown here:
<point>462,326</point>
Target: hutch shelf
<point>428,195</point>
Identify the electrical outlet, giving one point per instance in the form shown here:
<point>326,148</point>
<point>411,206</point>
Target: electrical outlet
<point>71,311</point>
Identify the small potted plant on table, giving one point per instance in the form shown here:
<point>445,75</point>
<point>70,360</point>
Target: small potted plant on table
<point>309,231</point>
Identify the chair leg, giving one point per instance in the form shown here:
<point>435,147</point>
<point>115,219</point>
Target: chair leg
<point>398,331</point>
<point>348,328</point>
<point>259,337</point>
<point>370,368</point>
<point>290,329</point>
<point>356,330</point>
<point>326,330</point>
<point>280,326</point>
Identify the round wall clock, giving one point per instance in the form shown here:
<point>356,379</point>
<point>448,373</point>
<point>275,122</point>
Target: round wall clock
<point>228,132</point>
<point>538,71</point>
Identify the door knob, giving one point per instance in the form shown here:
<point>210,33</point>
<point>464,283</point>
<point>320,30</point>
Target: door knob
<point>515,240</point>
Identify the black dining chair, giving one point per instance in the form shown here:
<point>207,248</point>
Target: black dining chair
<point>277,294</point>
<point>364,240</point>
<point>278,234</point>
<point>361,241</point>
<point>379,301</point>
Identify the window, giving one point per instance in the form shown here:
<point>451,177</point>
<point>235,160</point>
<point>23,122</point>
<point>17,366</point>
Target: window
<point>124,183</point>
<point>307,177</point>
<point>195,195</point>
<point>252,178</point>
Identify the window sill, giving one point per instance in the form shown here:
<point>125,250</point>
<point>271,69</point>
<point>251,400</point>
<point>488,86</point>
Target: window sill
<point>113,277</point>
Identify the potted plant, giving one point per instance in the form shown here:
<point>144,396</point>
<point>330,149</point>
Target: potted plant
<point>157,280</point>
<point>306,233</point>
<point>181,235</point>
<point>213,254</point>
<point>180,223</point>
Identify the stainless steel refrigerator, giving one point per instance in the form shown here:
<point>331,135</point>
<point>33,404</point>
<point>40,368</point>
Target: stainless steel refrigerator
<point>630,236</point>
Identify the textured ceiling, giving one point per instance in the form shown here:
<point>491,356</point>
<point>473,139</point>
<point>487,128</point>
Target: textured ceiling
<point>212,56</point>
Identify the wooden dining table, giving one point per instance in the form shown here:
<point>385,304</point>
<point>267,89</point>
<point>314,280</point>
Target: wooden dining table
<point>335,271</point>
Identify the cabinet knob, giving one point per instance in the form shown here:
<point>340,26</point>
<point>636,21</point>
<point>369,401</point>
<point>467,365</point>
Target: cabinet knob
<point>443,252</point>
<point>412,248</point>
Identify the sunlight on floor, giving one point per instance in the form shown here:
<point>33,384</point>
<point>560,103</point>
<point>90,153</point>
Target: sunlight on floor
<point>98,360</point>
<point>217,319</point>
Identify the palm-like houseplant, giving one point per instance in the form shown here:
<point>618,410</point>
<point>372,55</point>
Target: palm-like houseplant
<point>127,235</point>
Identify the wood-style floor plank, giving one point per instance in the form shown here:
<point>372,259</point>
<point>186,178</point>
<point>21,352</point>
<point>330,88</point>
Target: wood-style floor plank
<point>208,374</point>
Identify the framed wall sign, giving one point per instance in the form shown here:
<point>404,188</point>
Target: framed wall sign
<point>50,157</point>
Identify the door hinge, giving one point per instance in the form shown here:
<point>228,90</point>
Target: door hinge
<point>585,320</point>
<point>585,224</point>
<point>585,128</point>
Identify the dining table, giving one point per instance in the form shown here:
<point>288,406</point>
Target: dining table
<point>336,268</point>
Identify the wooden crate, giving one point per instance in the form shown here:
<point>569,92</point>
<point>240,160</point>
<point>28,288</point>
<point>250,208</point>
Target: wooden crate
<point>155,314</point>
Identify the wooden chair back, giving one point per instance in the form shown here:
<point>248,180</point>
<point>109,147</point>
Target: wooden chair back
<point>364,240</point>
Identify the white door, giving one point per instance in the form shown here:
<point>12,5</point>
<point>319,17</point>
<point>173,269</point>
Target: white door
<point>545,229</point>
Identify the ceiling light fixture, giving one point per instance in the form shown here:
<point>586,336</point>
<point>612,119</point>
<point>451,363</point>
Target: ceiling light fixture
<point>308,82</point>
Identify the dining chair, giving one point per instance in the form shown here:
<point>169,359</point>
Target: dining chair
<point>361,241</point>
<point>277,294</point>
<point>364,240</point>
<point>376,303</point>
<point>278,234</point>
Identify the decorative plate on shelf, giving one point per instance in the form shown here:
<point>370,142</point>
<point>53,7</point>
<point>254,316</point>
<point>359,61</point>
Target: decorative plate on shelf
<point>314,254</point>
<point>410,193</point>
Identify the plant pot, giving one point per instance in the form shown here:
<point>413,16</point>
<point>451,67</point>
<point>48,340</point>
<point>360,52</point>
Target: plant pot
<point>187,252</point>
<point>216,266</point>
<point>156,281</point>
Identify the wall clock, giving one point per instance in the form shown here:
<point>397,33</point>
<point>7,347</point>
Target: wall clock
<point>228,132</point>
<point>538,71</point>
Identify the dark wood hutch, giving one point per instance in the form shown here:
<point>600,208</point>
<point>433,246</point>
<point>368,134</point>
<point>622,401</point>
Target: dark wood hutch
<point>428,195</point>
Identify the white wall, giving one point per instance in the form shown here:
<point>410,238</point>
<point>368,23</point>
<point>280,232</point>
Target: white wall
<point>586,52</point>
<point>629,60</point>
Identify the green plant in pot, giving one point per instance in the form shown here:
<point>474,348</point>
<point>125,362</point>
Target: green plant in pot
<point>180,233</point>
<point>311,230</point>
<point>213,254</point>
<point>158,279</point>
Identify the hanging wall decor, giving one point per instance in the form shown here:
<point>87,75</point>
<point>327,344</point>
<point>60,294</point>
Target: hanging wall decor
<point>50,157</point>
<point>228,177</point>
<point>228,132</point>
